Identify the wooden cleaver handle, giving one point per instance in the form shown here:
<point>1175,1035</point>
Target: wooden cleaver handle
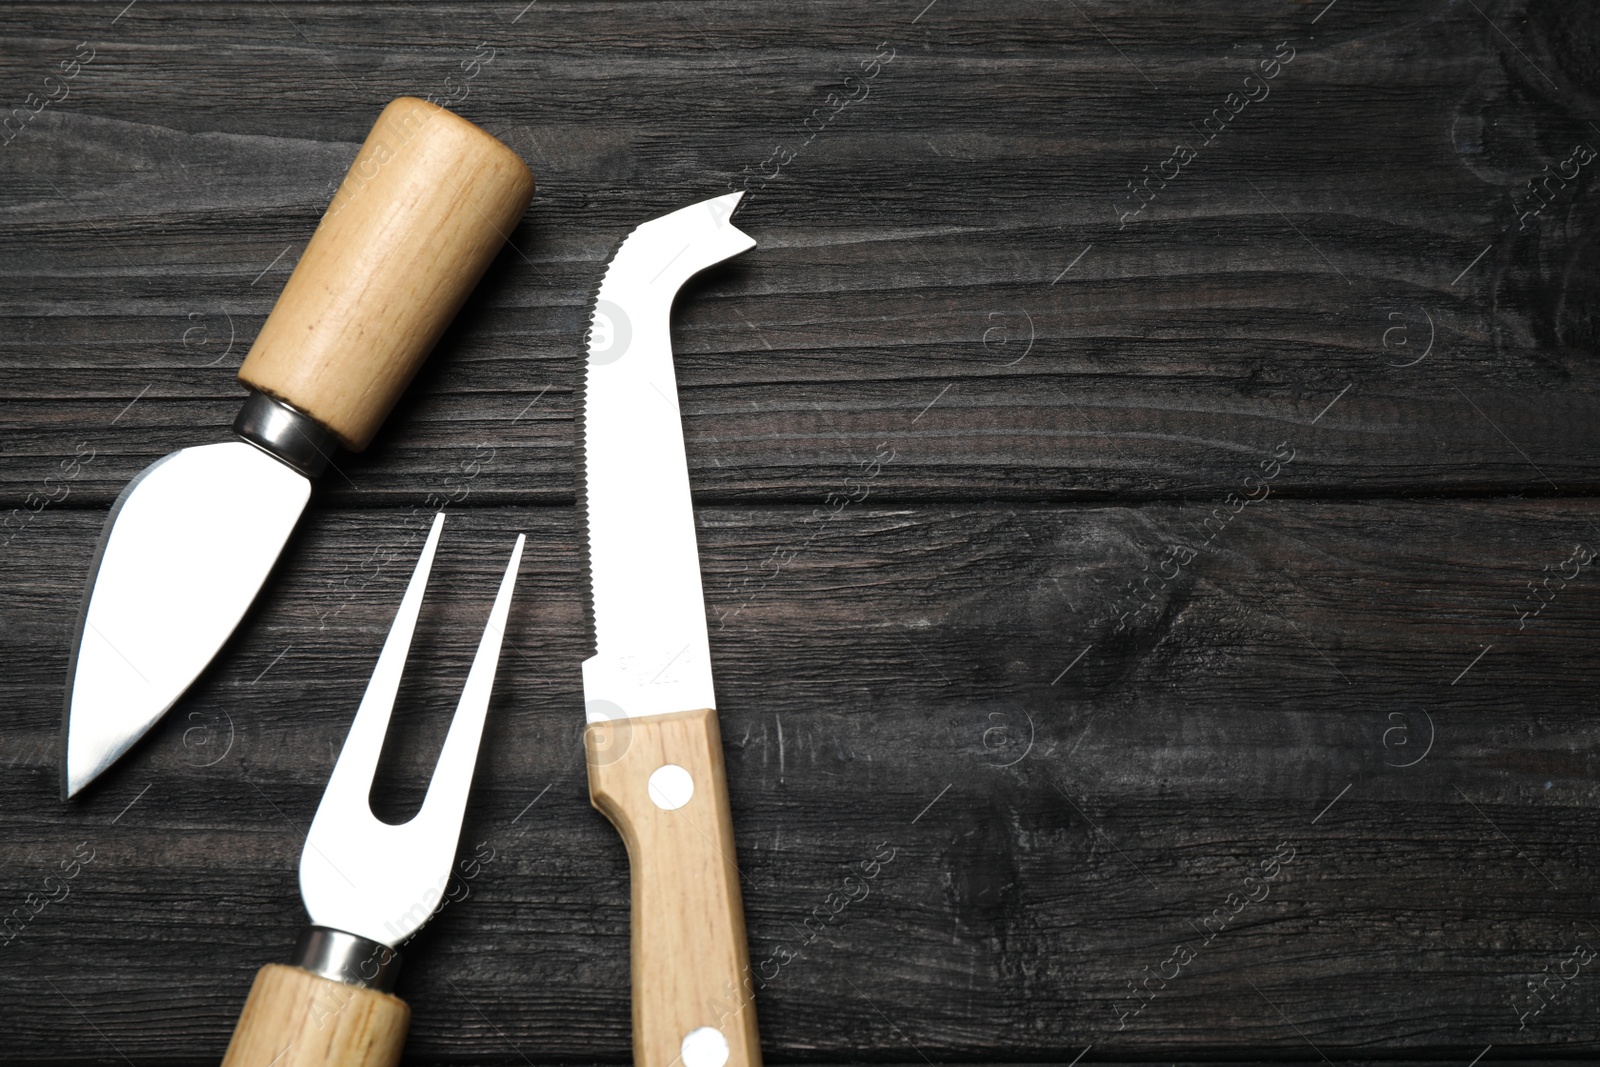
<point>298,1019</point>
<point>422,211</point>
<point>691,968</point>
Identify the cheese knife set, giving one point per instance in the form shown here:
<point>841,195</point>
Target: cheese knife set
<point>423,210</point>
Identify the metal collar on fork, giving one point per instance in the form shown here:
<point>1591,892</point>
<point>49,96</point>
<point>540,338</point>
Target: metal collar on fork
<point>346,958</point>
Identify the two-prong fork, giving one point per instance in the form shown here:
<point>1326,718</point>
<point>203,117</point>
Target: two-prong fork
<point>369,885</point>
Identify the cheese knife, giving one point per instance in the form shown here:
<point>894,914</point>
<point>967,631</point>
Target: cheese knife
<point>189,542</point>
<point>652,745</point>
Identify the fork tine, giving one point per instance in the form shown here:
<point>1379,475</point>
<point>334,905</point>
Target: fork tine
<point>446,800</point>
<point>350,785</point>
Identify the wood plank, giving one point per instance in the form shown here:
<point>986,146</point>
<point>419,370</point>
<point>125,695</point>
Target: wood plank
<point>913,281</point>
<point>914,681</point>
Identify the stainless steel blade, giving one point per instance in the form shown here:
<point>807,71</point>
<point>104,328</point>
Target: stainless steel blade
<point>185,551</point>
<point>651,650</point>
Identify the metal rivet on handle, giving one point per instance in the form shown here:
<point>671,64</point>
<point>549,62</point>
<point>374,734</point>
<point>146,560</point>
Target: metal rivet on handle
<point>705,1047</point>
<point>670,788</point>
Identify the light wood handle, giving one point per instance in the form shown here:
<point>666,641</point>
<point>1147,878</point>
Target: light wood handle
<point>422,211</point>
<point>298,1019</point>
<point>691,967</point>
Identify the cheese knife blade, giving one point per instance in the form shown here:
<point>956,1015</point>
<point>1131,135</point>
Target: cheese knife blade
<point>186,547</point>
<point>651,651</point>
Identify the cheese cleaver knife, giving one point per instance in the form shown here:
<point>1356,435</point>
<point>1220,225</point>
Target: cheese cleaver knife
<point>652,744</point>
<point>422,211</point>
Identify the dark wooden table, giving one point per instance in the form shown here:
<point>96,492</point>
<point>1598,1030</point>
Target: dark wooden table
<point>1208,632</point>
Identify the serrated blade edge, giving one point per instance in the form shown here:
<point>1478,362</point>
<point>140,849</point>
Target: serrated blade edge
<point>651,653</point>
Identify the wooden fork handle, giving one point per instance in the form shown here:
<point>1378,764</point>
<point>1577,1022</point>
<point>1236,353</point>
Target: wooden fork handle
<point>294,1018</point>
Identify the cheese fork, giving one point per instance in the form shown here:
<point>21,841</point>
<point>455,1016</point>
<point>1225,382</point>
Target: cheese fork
<point>369,885</point>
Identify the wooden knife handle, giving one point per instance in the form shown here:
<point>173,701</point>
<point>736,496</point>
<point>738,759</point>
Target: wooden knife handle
<point>691,967</point>
<point>422,211</point>
<point>298,1019</point>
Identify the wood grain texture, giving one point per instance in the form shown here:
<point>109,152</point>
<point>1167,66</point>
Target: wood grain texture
<point>298,1019</point>
<point>917,243</point>
<point>423,210</point>
<point>893,697</point>
<point>689,965</point>
<point>958,633</point>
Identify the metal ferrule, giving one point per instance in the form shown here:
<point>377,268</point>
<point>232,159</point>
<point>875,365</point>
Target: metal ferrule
<point>346,958</point>
<point>285,433</point>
